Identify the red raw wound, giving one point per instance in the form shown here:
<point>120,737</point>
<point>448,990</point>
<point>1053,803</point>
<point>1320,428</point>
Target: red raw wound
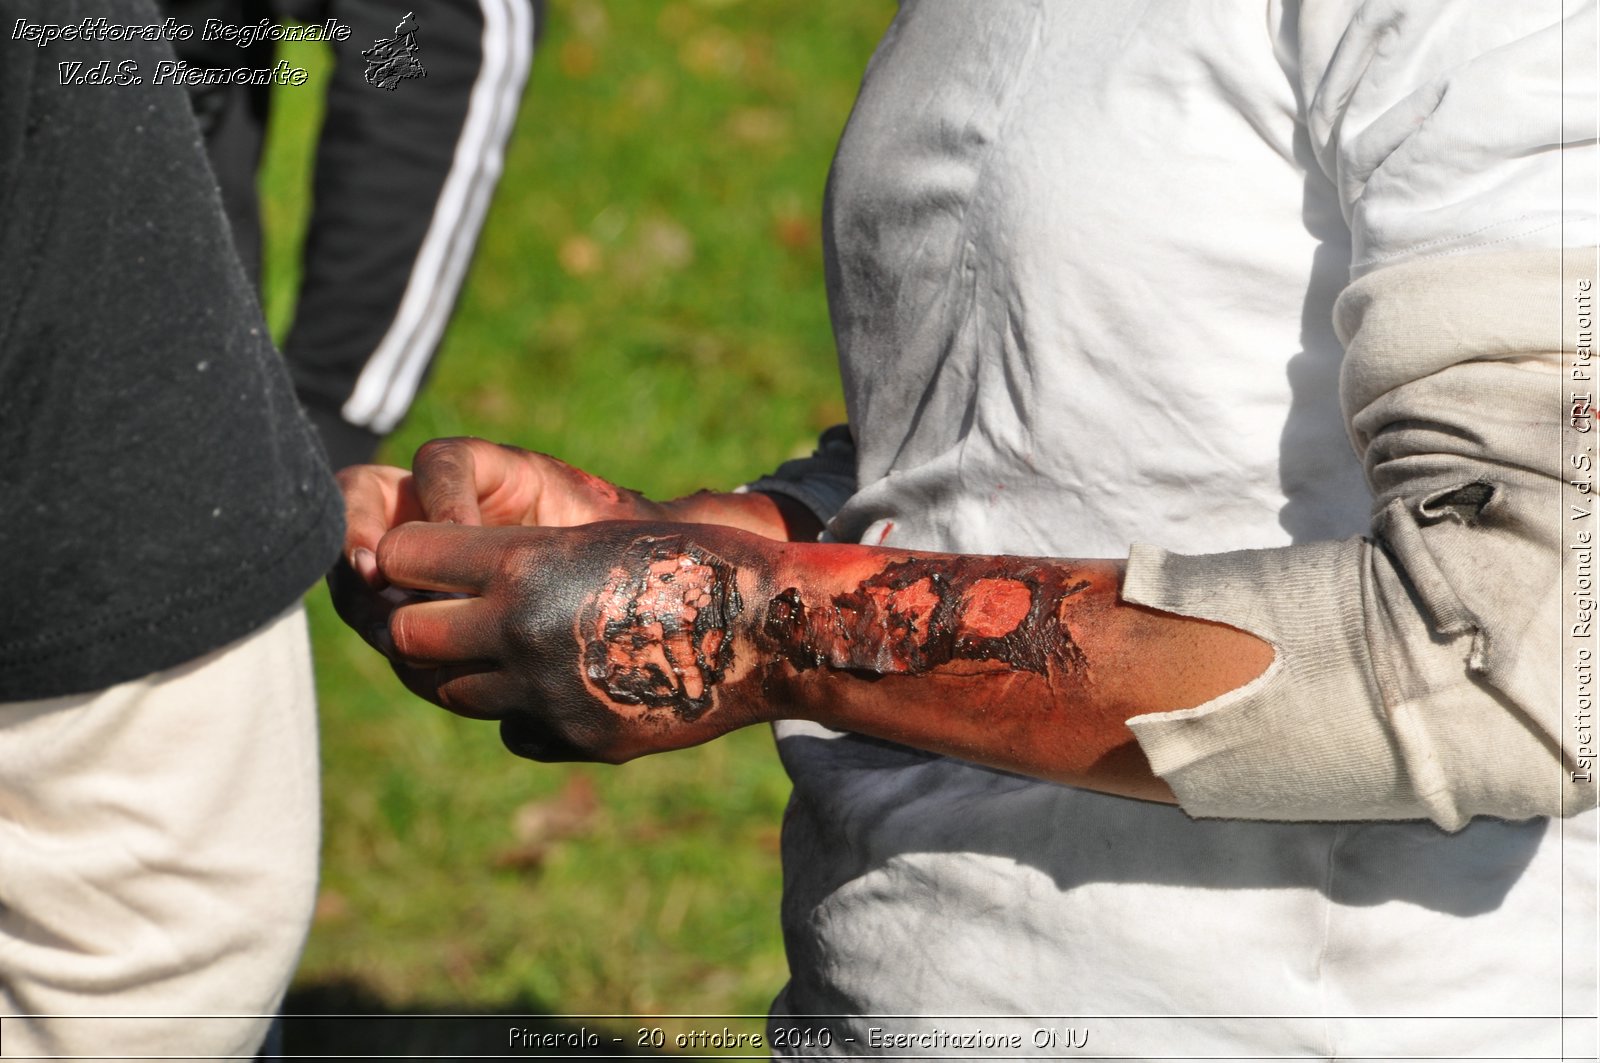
<point>992,608</point>
<point>918,614</point>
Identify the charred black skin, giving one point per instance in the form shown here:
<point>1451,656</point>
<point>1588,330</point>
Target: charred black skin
<point>563,721</point>
<point>853,632</point>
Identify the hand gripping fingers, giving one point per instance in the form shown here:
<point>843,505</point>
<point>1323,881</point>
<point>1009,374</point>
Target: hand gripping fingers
<point>471,481</point>
<point>450,557</point>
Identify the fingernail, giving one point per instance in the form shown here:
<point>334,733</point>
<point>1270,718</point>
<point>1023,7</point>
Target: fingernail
<point>365,563</point>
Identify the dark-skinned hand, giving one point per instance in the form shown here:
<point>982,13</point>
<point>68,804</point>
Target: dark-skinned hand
<point>601,642</point>
<point>475,482</point>
<point>460,481</point>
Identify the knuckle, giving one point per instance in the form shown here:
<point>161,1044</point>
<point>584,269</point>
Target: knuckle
<point>507,569</point>
<point>403,631</point>
<point>358,493</point>
<point>515,630</point>
<point>515,565</point>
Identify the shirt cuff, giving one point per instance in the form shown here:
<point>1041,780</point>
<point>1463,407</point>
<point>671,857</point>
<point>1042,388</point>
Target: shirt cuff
<point>1318,736</point>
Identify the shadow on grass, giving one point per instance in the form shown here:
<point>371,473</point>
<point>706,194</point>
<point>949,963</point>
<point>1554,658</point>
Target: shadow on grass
<point>343,1018</point>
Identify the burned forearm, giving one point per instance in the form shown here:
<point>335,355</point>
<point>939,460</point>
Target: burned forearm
<point>1033,665</point>
<point>1028,664</point>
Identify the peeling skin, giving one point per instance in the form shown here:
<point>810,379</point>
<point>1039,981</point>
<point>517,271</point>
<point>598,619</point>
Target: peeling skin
<point>659,633</point>
<point>917,615</point>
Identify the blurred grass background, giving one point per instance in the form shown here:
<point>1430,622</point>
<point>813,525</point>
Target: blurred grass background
<point>646,302</point>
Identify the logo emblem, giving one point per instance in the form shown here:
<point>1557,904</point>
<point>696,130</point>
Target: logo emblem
<point>391,60</point>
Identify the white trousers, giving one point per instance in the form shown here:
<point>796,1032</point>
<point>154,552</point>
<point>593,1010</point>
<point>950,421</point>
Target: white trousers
<point>158,855</point>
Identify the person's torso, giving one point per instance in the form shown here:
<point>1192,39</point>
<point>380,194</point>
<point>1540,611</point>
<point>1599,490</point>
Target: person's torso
<point>1081,269</point>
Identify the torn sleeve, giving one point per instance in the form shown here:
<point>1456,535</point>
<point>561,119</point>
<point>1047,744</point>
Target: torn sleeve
<point>1417,670</point>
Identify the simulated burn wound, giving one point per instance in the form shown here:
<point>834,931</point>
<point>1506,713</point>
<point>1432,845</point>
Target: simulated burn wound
<point>658,634</point>
<point>918,614</point>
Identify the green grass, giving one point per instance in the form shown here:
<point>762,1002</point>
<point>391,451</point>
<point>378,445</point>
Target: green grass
<point>646,302</point>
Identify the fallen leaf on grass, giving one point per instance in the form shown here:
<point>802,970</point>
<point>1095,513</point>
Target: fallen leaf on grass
<point>579,256</point>
<point>536,825</point>
<point>332,907</point>
<point>796,232</point>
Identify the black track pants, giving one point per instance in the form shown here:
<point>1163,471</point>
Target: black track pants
<point>403,180</point>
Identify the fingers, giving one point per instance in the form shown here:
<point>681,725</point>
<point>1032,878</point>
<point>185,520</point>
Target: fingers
<point>474,691</point>
<point>448,557</point>
<point>376,498</point>
<point>359,606</point>
<point>453,631</point>
<point>478,693</point>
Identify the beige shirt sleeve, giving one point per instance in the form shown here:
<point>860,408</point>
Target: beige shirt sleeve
<point>1417,672</point>
<point>1418,668</point>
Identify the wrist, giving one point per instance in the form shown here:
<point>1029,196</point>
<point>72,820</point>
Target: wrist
<point>791,620</point>
<point>769,516</point>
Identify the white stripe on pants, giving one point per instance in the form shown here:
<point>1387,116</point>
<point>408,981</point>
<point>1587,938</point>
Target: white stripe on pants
<point>158,855</point>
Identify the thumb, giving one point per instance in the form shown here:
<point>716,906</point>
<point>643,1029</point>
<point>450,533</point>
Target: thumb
<point>445,472</point>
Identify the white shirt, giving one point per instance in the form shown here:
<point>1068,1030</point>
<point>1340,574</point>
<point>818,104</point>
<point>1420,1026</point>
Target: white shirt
<point>1083,259</point>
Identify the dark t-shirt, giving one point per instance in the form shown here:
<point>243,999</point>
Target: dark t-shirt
<point>160,492</point>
